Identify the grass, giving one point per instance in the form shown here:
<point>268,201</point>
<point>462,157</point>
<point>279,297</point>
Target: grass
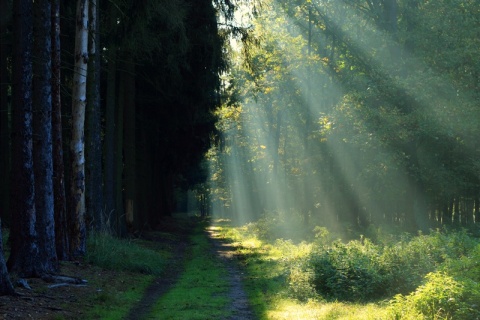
<point>201,292</point>
<point>427,276</point>
<point>136,262</point>
<point>124,254</point>
<point>117,300</point>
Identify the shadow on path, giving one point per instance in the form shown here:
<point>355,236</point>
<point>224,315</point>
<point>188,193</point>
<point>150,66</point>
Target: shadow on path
<point>167,279</point>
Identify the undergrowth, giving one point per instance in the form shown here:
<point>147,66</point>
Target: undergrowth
<point>137,262</point>
<point>427,276</point>
<point>124,254</point>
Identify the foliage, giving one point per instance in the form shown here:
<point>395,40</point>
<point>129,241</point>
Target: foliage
<point>441,297</point>
<point>349,272</point>
<point>348,114</point>
<point>361,270</point>
<point>432,276</point>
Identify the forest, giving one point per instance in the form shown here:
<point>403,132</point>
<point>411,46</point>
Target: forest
<point>344,133</point>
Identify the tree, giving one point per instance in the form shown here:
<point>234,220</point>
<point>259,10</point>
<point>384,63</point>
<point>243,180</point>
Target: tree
<point>77,215</point>
<point>42,133</point>
<point>24,249</point>
<point>109,140</point>
<point>5,20</point>
<point>60,201</point>
<point>129,137</point>
<point>93,124</point>
<point>5,284</point>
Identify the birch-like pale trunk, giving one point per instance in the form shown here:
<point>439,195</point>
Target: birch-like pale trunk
<point>77,145</point>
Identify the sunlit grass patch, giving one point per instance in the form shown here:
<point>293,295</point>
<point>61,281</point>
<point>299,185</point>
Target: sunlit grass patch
<point>201,291</point>
<point>286,309</point>
<point>327,279</point>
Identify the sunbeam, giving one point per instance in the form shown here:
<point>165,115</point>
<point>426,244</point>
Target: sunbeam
<point>345,120</point>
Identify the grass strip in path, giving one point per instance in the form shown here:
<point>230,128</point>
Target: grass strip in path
<point>201,292</point>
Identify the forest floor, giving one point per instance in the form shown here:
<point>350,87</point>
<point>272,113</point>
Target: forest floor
<point>50,301</point>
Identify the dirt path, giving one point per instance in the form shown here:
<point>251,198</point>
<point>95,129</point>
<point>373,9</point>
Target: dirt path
<point>162,284</point>
<point>240,308</point>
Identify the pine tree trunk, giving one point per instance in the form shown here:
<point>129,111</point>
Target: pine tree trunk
<point>60,202</point>
<point>5,284</point>
<point>93,123</point>
<point>121,229</point>
<point>24,249</point>
<point>110,128</point>
<point>4,121</point>
<point>42,132</point>
<point>77,216</point>
<point>130,146</point>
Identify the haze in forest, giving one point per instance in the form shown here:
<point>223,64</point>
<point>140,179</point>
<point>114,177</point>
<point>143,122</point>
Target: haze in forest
<point>351,114</point>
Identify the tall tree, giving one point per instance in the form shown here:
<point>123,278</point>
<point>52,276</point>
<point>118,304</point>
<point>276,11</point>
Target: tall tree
<point>109,141</point>
<point>5,14</point>
<point>24,249</point>
<point>60,202</point>
<point>77,147</point>
<point>129,137</point>
<point>42,132</point>
<point>93,124</point>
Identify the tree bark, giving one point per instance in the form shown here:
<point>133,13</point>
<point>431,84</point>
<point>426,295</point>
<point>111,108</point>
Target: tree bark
<point>78,229</point>
<point>120,220</point>
<point>130,146</point>
<point>93,123</point>
<point>5,284</point>
<point>110,126</point>
<point>60,201</point>
<point>42,142</point>
<point>24,249</point>
<point>4,115</point>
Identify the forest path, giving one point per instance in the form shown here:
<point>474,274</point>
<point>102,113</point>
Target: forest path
<point>238,306</point>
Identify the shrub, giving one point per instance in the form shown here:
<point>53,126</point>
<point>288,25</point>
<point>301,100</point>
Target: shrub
<point>441,297</point>
<point>349,272</point>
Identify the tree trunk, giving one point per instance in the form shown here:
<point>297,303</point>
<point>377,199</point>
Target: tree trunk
<point>78,230</point>
<point>130,146</point>
<point>60,202</point>
<point>4,115</point>
<point>93,146</point>
<point>110,127</point>
<point>24,249</point>
<point>42,142</point>
<point>120,220</point>
<point>5,284</point>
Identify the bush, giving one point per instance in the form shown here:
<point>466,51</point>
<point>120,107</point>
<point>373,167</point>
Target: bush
<point>349,272</point>
<point>441,297</point>
<point>360,270</point>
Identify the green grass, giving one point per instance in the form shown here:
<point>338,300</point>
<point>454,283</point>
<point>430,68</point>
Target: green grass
<point>201,291</point>
<point>124,254</point>
<point>137,262</point>
<point>282,276</point>
<point>115,303</point>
